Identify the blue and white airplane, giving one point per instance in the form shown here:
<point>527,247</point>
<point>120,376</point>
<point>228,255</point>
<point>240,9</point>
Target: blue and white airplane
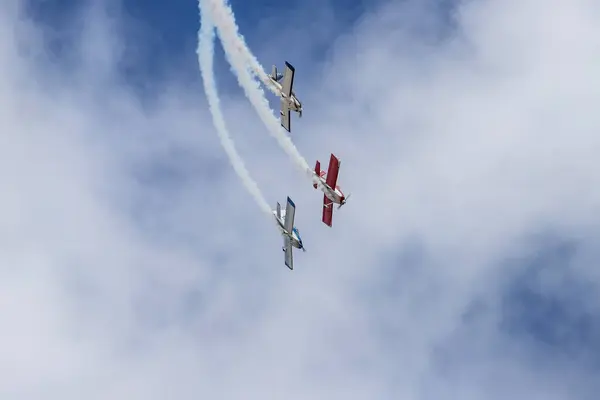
<point>291,236</point>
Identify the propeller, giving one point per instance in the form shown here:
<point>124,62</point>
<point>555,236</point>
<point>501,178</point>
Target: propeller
<point>345,200</point>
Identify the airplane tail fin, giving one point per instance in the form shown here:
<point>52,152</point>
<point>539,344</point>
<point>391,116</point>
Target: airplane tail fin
<point>276,76</point>
<point>317,171</point>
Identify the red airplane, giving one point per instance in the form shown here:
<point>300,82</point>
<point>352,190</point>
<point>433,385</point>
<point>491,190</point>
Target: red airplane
<point>332,193</point>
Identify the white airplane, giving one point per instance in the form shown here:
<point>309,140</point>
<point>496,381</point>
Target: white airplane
<point>291,236</point>
<point>289,101</point>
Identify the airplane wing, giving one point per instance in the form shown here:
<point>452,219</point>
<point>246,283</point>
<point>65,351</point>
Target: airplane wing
<point>327,211</point>
<point>289,259</point>
<point>288,79</point>
<point>290,211</point>
<point>332,172</point>
<point>285,115</point>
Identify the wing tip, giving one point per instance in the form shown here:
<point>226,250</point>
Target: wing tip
<point>327,217</point>
<point>291,202</point>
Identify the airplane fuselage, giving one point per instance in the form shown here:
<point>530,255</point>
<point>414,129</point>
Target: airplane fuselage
<point>294,235</point>
<point>335,195</point>
<point>293,102</point>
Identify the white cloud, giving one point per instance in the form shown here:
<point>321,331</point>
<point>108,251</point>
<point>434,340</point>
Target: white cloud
<point>129,272</point>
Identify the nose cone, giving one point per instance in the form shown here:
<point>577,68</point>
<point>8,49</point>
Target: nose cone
<point>297,236</point>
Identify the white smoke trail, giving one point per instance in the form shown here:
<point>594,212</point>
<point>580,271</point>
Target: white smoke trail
<point>235,51</point>
<point>240,44</point>
<point>205,51</point>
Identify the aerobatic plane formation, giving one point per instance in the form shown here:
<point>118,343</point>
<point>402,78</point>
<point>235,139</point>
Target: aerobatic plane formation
<point>332,194</point>
<point>216,15</point>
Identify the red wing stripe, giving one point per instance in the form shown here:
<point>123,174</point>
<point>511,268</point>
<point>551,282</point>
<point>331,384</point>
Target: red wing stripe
<point>327,211</point>
<point>332,172</point>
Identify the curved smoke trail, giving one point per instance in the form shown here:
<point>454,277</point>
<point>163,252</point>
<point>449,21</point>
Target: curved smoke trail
<point>240,58</point>
<point>205,53</point>
<point>219,7</point>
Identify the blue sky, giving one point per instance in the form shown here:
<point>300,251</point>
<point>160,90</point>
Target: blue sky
<point>135,265</point>
<point>162,36</point>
